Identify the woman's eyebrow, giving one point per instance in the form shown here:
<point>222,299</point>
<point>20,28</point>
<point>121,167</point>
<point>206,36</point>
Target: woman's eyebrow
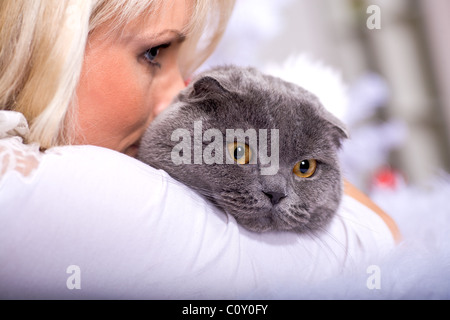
<point>169,35</point>
<point>178,35</point>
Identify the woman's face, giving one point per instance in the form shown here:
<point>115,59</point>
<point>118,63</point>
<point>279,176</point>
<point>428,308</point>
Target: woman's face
<point>127,80</point>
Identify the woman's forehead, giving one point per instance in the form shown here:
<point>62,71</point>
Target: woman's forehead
<point>170,15</point>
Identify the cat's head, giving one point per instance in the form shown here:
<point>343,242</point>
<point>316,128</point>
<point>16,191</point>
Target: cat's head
<point>263,150</point>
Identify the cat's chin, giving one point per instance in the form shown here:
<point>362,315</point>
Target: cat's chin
<point>262,224</point>
<point>276,220</point>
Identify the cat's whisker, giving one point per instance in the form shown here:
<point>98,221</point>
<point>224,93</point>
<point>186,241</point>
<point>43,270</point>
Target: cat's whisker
<point>288,220</point>
<point>317,238</point>
<point>299,216</point>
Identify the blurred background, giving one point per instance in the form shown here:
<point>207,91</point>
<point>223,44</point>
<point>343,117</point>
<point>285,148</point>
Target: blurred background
<point>393,57</point>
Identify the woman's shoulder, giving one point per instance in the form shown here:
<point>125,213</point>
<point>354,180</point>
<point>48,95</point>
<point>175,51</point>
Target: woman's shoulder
<point>86,163</point>
<point>136,232</point>
<point>88,178</point>
<point>18,158</point>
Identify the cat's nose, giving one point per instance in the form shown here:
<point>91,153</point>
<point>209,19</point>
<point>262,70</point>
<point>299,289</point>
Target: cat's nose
<point>275,197</point>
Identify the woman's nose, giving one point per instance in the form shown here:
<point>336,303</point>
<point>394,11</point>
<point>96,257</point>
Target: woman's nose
<point>172,86</point>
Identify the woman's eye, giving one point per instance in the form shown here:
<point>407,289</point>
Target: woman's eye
<point>151,54</point>
<point>305,168</point>
<point>240,152</point>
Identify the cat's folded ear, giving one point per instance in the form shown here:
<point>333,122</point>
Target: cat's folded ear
<point>206,89</point>
<point>340,128</point>
<point>210,86</point>
<point>207,86</point>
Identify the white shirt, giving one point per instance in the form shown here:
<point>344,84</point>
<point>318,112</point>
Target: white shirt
<point>86,222</point>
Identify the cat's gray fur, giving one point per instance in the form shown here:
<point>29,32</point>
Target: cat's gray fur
<point>241,98</point>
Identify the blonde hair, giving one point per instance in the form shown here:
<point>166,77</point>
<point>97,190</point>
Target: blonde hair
<point>42,44</point>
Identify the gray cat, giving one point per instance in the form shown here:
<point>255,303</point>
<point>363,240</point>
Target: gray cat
<point>261,149</point>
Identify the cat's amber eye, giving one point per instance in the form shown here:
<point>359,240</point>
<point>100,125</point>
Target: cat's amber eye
<point>240,152</point>
<point>305,168</point>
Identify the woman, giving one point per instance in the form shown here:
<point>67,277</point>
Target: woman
<point>80,80</point>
